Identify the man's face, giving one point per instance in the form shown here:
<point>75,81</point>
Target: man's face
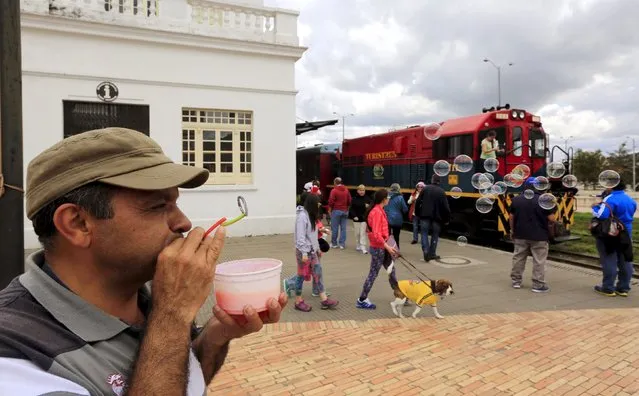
<point>361,192</point>
<point>144,223</point>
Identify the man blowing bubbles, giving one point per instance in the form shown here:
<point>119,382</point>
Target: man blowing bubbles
<point>80,320</point>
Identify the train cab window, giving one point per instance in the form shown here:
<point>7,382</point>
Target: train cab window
<point>500,137</point>
<point>537,143</point>
<point>451,147</point>
<point>517,141</point>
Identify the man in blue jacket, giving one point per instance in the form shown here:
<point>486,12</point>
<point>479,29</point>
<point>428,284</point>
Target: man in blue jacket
<point>613,262</point>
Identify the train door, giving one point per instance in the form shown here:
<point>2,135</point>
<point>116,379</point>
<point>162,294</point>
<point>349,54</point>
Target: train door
<point>501,140</point>
<point>517,151</point>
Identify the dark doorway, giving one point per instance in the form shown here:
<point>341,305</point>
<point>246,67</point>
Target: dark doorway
<point>85,116</point>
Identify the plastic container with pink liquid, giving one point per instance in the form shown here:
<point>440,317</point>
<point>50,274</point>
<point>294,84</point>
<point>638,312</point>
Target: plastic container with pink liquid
<point>247,282</point>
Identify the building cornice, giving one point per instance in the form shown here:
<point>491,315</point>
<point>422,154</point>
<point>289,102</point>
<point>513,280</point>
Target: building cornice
<point>87,77</point>
<point>149,35</point>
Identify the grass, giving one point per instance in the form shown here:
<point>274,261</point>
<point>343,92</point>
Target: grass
<point>586,243</point>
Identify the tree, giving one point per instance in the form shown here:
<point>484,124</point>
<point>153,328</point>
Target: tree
<point>621,162</point>
<point>587,165</point>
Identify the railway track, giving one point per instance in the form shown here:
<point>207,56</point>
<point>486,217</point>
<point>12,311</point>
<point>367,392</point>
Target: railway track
<point>582,260</point>
<point>558,255</point>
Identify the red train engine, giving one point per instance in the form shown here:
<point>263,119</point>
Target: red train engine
<point>407,156</point>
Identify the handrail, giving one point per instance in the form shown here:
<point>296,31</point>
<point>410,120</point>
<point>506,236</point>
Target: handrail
<point>552,153</point>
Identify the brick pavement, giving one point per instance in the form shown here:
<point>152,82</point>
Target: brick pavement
<point>586,352</point>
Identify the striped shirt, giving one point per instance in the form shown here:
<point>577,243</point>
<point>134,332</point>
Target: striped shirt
<point>54,342</point>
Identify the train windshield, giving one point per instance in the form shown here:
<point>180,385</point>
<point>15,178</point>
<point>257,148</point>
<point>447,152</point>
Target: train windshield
<point>537,142</point>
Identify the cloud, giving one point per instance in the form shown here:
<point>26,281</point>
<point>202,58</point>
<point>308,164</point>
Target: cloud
<point>397,63</point>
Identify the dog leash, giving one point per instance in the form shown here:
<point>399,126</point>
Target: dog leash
<point>405,262</point>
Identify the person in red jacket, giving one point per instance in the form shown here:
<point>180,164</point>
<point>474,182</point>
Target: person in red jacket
<point>339,201</point>
<point>381,251</point>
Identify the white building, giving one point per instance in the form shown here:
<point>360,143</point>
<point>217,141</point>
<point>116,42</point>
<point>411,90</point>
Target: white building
<point>212,82</point>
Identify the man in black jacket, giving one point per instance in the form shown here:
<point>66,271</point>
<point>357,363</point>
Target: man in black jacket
<point>433,212</point>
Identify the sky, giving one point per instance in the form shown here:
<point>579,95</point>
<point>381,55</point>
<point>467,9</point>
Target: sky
<point>575,63</point>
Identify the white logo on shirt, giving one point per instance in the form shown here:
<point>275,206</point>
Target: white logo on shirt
<point>118,383</point>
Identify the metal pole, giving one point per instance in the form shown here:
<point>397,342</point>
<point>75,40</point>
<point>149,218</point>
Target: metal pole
<point>11,202</point>
<point>498,85</point>
<point>634,166</point>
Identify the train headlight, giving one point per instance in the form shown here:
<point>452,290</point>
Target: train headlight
<point>514,114</point>
<point>522,114</point>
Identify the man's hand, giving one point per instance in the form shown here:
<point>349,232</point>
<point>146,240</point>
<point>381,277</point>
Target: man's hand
<point>355,218</point>
<point>184,274</point>
<point>182,281</point>
<point>210,346</point>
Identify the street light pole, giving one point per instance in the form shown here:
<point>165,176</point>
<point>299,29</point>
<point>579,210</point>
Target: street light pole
<point>343,116</point>
<point>634,166</point>
<point>498,67</point>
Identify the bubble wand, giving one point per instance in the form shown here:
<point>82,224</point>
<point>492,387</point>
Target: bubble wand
<point>241,203</point>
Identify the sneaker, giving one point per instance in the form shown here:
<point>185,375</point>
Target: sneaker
<point>328,303</point>
<point>516,285</point>
<point>358,249</point>
<point>316,294</point>
<point>302,306</point>
<point>364,251</point>
<point>621,293</point>
<point>604,292</point>
<point>341,247</point>
<point>541,289</point>
<point>333,246</point>
<point>287,288</point>
<point>366,304</point>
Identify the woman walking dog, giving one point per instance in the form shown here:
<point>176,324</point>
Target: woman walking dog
<point>381,251</point>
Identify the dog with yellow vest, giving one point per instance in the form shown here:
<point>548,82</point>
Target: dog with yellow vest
<point>420,292</point>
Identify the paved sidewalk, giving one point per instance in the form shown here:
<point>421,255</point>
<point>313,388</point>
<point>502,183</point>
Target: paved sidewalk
<point>481,278</point>
<point>588,352</point>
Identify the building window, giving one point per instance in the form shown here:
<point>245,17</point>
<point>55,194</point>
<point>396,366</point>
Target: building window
<point>220,141</point>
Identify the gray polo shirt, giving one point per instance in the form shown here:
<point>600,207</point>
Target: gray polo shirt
<point>54,342</point>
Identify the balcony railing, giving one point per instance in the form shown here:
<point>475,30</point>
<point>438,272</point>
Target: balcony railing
<point>202,17</point>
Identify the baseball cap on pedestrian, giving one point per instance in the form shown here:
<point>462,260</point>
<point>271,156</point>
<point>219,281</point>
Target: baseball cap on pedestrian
<point>116,156</point>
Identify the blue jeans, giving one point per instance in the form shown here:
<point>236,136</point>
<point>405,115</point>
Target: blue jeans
<point>339,218</point>
<point>415,228</point>
<point>427,224</point>
<point>614,267</point>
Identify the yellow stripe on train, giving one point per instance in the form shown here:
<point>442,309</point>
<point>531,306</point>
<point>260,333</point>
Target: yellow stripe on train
<point>565,212</point>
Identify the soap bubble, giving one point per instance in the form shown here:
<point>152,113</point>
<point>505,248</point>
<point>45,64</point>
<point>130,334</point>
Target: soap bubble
<point>609,179</point>
<point>484,205</point>
<point>455,192</point>
<point>491,165</point>
<point>522,171</point>
<point>441,168</point>
<point>433,131</point>
<point>541,183</point>
<point>488,193</point>
<point>569,181</point>
<point>513,180</point>
<point>555,169</point>
<point>462,241</point>
<point>463,163</point>
<point>499,188</point>
<point>529,194</point>
<point>480,181</point>
<point>491,178</point>
<point>547,201</point>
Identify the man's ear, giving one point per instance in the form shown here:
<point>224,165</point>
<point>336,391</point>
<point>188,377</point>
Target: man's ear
<point>73,224</point>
